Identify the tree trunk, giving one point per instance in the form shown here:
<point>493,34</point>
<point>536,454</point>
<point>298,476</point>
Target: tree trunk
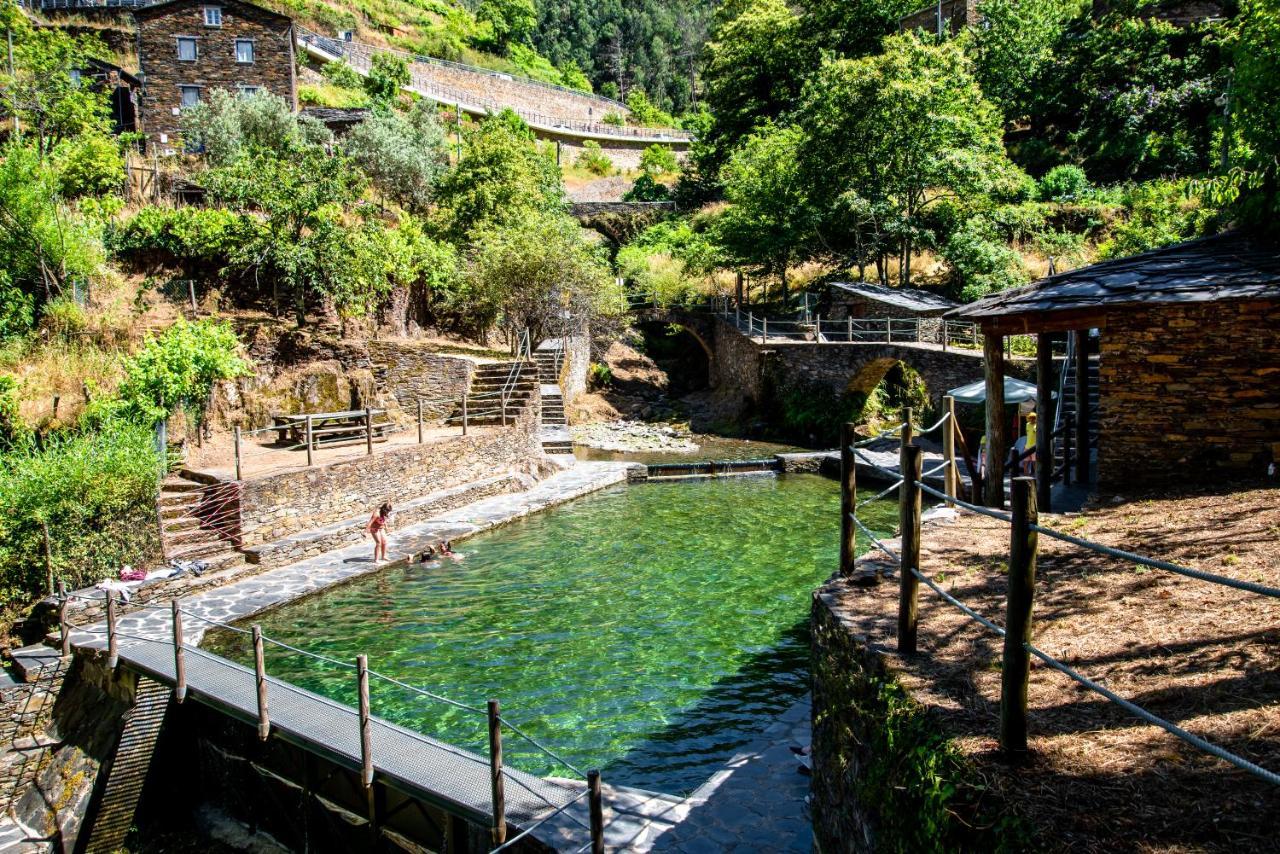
<point>784,285</point>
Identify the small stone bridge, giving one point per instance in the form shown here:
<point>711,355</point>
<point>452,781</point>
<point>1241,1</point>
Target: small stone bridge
<point>748,368</point>
<point>620,221</point>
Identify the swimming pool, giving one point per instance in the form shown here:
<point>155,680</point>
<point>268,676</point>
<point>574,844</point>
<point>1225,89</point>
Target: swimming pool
<point>646,630</point>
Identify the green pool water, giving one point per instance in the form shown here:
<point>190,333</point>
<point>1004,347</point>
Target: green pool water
<point>646,630</point>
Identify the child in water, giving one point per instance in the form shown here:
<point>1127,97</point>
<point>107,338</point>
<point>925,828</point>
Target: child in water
<point>446,550</point>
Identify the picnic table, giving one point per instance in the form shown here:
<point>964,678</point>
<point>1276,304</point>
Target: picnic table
<point>329,428</point>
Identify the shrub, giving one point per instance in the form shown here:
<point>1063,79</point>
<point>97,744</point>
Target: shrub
<point>658,160</point>
<point>646,189</point>
<point>600,375</point>
<point>342,75</point>
<point>89,165</point>
<point>981,262</point>
<point>204,236</point>
<point>17,308</point>
<point>403,156</point>
<point>387,75</point>
<point>64,317</point>
<point>645,114</point>
<point>593,159</point>
<point>1159,213</point>
<point>1063,183</point>
<point>95,490</point>
<point>615,119</point>
<point>13,432</point>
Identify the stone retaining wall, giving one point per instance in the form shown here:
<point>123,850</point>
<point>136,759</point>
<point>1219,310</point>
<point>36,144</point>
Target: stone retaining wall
<point>409,372</point>
<point>280,505</point>
<point>1189,392</point>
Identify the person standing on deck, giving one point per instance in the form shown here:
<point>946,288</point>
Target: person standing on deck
<point>379,523</point>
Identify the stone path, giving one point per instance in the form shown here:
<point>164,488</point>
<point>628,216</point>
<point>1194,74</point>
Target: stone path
<point>756,802</point>
<point>267,589</point>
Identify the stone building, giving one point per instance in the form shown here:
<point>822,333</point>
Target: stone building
<point>938,17</point>
<point>863,299</point>
<point>122,90</point>
<point>1188,385</point>
<point>188,48</point>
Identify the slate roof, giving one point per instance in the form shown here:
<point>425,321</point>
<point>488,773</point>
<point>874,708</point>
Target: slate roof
<point>1234,265</point>
<point>907,298</point>
<point>165,6</point>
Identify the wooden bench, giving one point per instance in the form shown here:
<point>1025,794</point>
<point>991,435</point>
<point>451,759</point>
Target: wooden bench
<point>331,428</point>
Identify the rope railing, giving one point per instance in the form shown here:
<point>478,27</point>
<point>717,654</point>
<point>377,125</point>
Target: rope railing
<point>1024,525</point>
<point>496,721</point>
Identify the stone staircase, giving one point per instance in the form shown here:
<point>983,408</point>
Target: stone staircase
<point>199,520</point>
<point>1067,405</point>
<point>554,425</point>
<point>484,403</point>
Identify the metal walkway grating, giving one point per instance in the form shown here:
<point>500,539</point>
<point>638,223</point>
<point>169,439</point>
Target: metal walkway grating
<point>456,780</point>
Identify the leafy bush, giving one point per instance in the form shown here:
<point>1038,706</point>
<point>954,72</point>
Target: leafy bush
<point>17,309</point>
<point>1063,183</point>
<point>645,114</point>
<point>64,317</point>
<point>1160,213</point>
<point>95,490</point>
<point>89,165</point>
<point>342,75</point>
<point>593,159</point>
<point>981,262</point>
<point>646,189</point>
<point>13,432</point>
<point>600,375</point>
<point>388,74</point>
<point>658,160</point>
<point>615,119</point>
<point>226,125</point>
<point>204,236</point>
<point>403,155</point>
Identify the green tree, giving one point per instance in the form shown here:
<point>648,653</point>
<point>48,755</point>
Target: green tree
<point>1016,46</point>
<point>529,273</point>
<point>645,114</point>
<point>510,20</point>
<point>891,135</point>
<point>403,155</point>
<point>388,74</point>
<point>1256,92</point>
<point>226,125</point>
<point>769,217</point>
<point>658,160</point>
<point>501,179</point>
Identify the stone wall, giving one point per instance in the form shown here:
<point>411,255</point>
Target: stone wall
<point>1189,393</point>
<point>623,154</point>
<point>577,365</point>
<point>215,67</point>
<point>283,504</point>
<point>409,372</point>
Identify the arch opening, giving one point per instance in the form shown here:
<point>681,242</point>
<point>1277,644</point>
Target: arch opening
<point>883,387</point>
<point>680,352</point>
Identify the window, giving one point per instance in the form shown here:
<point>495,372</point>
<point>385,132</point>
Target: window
<point>244,50</point>
<point>190,95</point>
<point>213,16</point>
<point>75,77</point>
<point>186,49</point>
<point>249,90</point>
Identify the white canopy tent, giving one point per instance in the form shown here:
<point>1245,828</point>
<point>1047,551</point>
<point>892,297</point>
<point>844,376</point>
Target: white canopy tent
<point>1015,391</point>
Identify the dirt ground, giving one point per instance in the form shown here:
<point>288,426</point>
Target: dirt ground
<point>1201,655</point>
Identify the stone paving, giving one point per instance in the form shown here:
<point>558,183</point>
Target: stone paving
<point>277,586</point>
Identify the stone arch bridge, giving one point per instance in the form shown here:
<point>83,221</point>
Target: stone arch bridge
<point>746,372</point>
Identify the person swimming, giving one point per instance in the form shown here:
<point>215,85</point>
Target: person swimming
<point>446,550</point>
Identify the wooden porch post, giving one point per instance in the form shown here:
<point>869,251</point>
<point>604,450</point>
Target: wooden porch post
<point>993,369</point>
<point>1044,417</point>
<point>1082,404</point>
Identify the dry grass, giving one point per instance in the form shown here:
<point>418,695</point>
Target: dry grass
<point>1201,655</point>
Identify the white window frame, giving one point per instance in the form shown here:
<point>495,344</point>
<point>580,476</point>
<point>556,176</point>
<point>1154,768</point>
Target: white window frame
<point>253,51</point>
<point>183,88</point>
<point>195,48</point>
<point>247,89</point>
<point>209,13</point>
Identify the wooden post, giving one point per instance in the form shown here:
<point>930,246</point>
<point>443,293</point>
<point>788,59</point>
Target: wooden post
<point>1044,421</point>
<point>905,436</point>
<point>113,650</point>
<point>817,329</point>
<point>1082,405</point>
<point>849,322</point>
<point>909,520</point>
<point>48,554</point>
<point>64,630</point>
<point>888,329</point>
<point>993,368</point>
<point>764,331</point>
<point>848,501</point>
<point>366,733</point>
<point>944,336</point>
<point>310,438</point>
<point>464,414</point>
<point>237,438</point>
<point>1016,667</point>
<point>951,474</point>
<point>419,421</point>
<point>499,829</point>
<point>596,810</point>
<point>368,430</point>
<point>179,655</point>
<point>191,290</point>
<point>260,680</point>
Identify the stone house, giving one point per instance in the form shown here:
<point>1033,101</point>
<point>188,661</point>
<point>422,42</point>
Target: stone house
<point>1188,365</point>
<point>937,17</point>
<point>863,299</point>
<point>188,48</point>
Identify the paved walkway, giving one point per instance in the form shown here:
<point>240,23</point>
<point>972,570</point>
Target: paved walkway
<point>756,802</point>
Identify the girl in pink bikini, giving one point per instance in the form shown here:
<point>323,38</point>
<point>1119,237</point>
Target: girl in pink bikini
<point>378,524</point>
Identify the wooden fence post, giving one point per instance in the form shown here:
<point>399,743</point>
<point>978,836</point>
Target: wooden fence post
<point>310,439</point>
<point>595,807</point>
<point>499,829</point>
<point>888,329</point>
<point>906,435</point>
<point>64,630</point>
<point>849,323</point>
<point>1016,667</point>
<point>909,520</point>
<point>366,733</point>
<point>260,680</point>
<point>764,331</point>
<point>368,430</point>
<point>951,474</point>
<point>419,421</point>
<point>848,500</point>
<point>179,655</point>
<point>113,650</point>
<point>237,439</point>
